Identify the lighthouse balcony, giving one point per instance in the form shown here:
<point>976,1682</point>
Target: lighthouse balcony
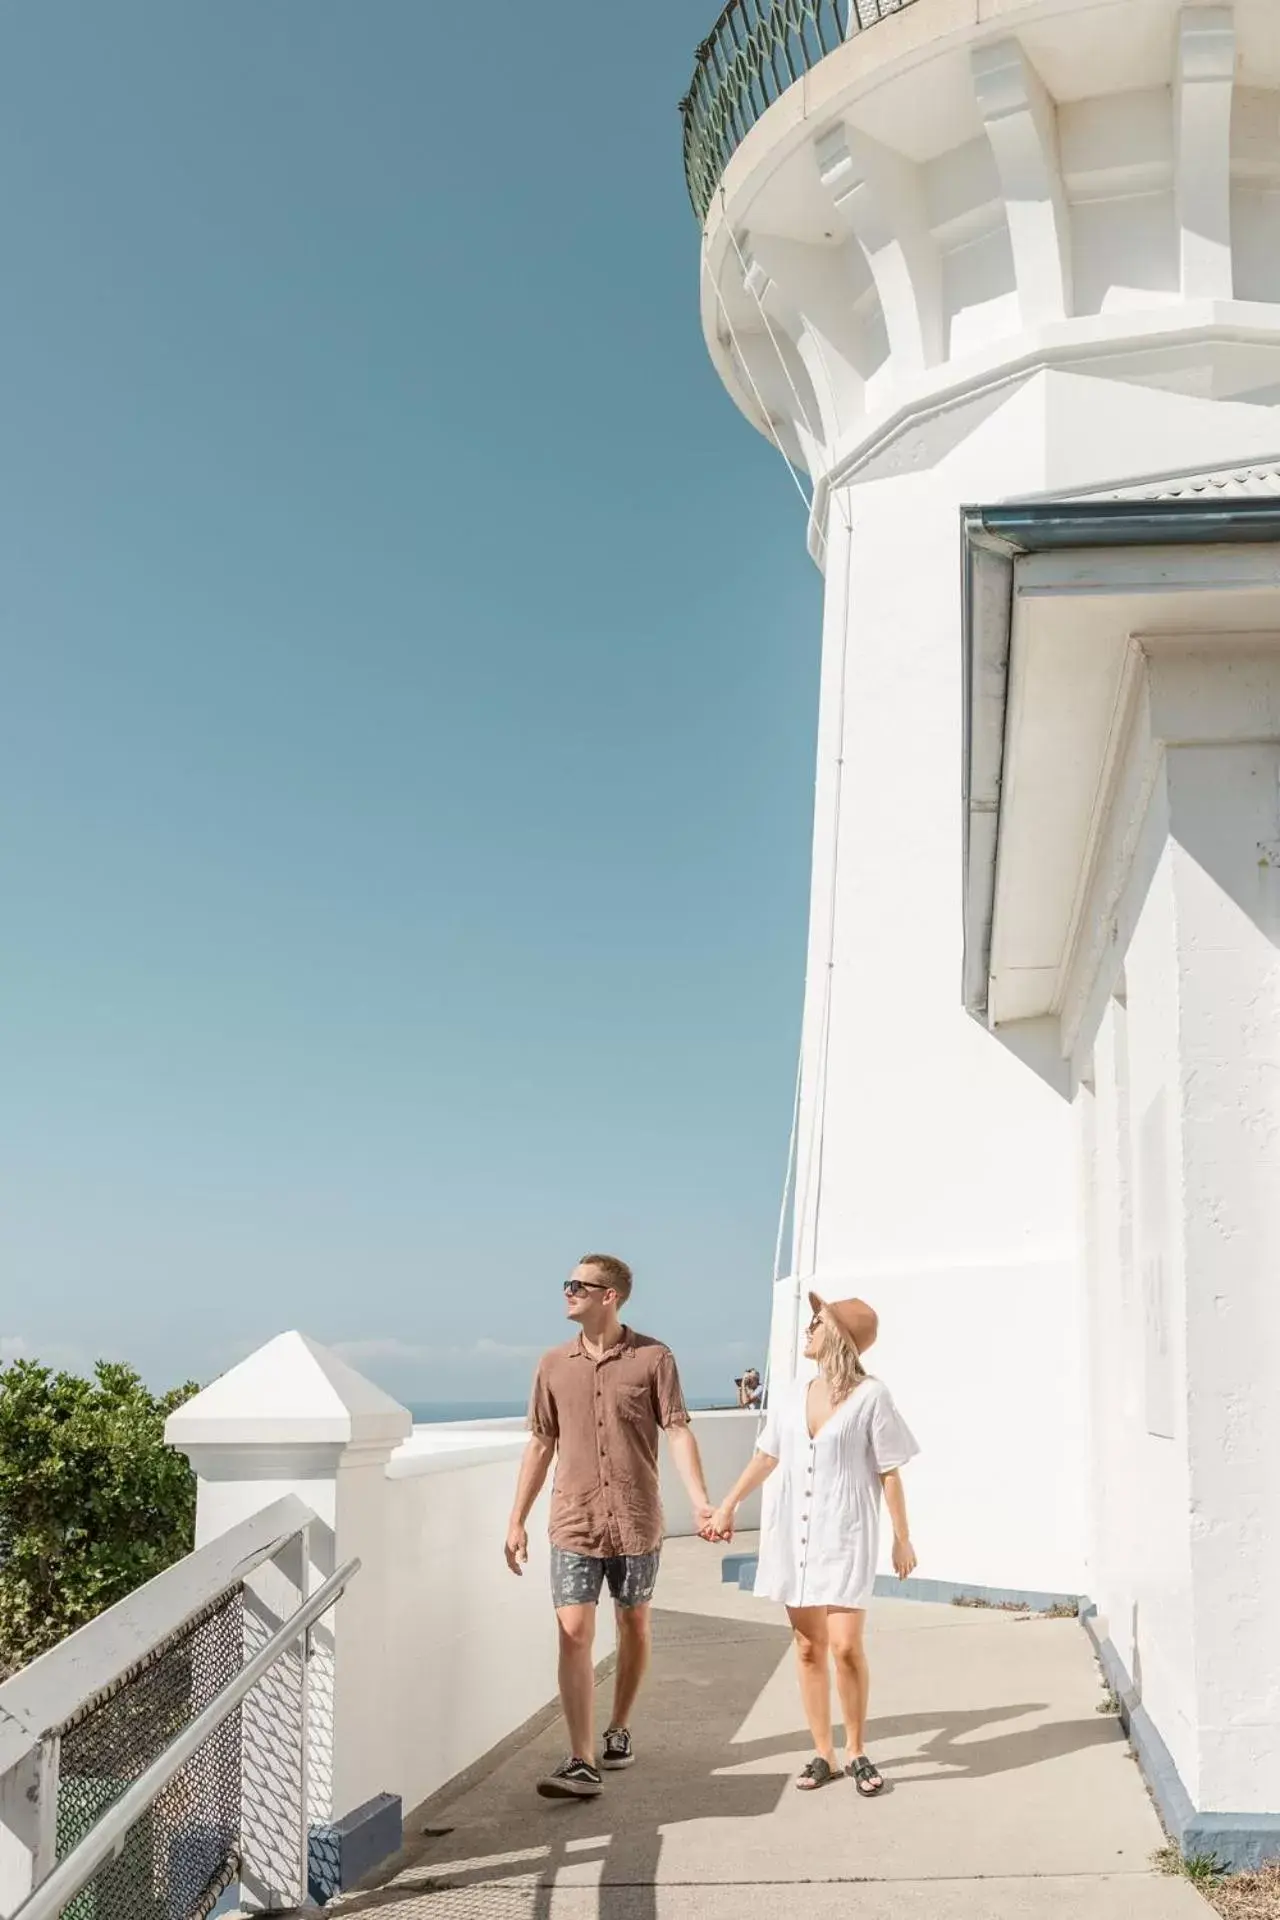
<point>907,206</point>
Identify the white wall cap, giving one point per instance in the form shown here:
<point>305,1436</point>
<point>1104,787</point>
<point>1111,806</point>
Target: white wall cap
<point>452,1454</point>
<point>295,1392</point>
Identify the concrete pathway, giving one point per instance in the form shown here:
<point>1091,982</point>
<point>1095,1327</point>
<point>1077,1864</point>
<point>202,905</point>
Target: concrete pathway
<point>1009,1794</point>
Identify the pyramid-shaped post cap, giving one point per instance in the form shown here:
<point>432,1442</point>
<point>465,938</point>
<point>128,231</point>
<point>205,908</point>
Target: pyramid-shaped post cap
<point>292,1392</point>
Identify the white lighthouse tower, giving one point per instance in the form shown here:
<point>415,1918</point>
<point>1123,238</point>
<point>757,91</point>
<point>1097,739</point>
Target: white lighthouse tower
<point>958,251</point>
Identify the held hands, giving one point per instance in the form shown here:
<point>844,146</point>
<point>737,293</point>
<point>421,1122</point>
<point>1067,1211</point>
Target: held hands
<point>517,1547</point>
<point>715,1523</point>
<point>904,1558</point>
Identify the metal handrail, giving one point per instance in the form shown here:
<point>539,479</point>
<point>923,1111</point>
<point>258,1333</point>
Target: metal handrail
<point>754,52</point>
<point>73,1873</point>
<point>63,1685</point>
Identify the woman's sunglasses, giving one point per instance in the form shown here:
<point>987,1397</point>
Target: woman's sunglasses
<point>574,1287</point>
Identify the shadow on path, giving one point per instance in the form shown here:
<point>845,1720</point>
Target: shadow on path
<point>708,1675</point>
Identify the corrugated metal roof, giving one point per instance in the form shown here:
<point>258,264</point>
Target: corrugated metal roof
<point>1258,482</point>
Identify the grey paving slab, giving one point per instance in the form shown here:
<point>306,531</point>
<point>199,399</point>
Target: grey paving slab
<point>1009,1793</point>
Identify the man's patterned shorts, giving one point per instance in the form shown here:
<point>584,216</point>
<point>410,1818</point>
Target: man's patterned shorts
<point>576,1578</point>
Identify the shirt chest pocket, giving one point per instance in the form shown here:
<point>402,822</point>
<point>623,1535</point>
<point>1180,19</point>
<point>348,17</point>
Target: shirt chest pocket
<point>634,1402</point>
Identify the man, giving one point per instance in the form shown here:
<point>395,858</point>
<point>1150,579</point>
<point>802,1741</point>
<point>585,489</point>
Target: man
<point>596,1408</point>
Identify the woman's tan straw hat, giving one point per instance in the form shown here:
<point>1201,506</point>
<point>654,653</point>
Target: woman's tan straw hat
<point>857,1321</point>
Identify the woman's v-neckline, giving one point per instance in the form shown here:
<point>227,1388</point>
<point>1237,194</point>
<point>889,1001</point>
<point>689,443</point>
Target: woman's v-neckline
<point>810,1431</point>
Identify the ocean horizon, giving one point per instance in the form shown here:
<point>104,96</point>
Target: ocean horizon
<point>442,1412</point>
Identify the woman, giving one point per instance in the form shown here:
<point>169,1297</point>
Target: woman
<point>834,1442</point>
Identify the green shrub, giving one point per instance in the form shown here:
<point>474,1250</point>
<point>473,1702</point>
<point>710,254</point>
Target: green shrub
<point>92,1502</point>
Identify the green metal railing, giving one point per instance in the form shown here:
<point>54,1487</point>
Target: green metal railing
<point>755,51</point>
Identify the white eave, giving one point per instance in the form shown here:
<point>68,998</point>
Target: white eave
<point>1058,596</point>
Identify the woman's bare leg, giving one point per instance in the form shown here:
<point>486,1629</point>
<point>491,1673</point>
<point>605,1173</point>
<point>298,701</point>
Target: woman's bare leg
<point>853,1676</point>
<point>809,1625</point>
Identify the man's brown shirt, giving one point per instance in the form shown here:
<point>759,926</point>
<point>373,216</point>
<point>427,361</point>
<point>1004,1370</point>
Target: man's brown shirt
<point>604,1416</point>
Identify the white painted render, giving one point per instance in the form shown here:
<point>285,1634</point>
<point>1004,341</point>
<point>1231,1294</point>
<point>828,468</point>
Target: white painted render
<point>1168,1001</point>
<point>981,252</point>
<point>991,249</point>
<point>937,1170</point>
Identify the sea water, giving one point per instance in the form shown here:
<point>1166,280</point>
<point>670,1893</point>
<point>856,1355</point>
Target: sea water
<point>428,1413</point>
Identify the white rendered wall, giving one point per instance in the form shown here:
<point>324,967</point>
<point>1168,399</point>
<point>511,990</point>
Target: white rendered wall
<point>471,1648</point>
<point>726,1441</point>
<point>938,1173</point>
<point>1224,802</point>
<point>1181,1132</point>
<point>982,251</point>
<point>935,1169</point>
<point>1140,1557</point>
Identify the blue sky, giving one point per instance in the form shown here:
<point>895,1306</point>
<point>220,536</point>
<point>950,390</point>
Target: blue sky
<point>409,695</point>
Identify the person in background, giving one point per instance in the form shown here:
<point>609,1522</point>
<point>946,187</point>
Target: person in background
<point>597,1407</point>
<point>749,1389</point>
<point>834,1443</point>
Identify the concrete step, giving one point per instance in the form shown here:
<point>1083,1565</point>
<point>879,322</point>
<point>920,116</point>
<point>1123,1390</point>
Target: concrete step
<point>739,1570</point>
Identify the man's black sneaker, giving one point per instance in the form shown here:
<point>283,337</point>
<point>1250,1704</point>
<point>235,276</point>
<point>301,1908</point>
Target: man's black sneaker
<point>575,1779</point>
<point>617,1748</point>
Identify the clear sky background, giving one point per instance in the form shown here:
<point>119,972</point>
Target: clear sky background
<point>410,676</point>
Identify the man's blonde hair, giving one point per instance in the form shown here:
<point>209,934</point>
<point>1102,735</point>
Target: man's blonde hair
<point>616,1273</point>
<point>838,1359</point>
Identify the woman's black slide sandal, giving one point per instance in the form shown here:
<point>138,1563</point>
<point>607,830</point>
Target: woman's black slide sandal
<point>866,1777</point>
<point>816,1774</point>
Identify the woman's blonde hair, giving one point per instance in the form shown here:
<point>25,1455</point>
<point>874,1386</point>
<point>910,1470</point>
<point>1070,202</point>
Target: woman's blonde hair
<point>838,1360</point>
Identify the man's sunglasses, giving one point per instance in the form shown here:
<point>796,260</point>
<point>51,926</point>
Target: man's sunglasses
<point>574,1287</point>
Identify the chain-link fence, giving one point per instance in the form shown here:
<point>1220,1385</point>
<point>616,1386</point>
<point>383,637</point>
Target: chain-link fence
<point>179,1858</point>
<point>755,51</point>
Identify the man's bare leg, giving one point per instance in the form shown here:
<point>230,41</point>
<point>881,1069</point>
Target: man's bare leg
<point>634,1641</point>
<point>577,1627</point>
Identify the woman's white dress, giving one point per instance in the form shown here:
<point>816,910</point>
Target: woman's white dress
<point>820,1525</point>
